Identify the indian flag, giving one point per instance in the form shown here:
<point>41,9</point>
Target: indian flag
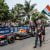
<point>46,10</point>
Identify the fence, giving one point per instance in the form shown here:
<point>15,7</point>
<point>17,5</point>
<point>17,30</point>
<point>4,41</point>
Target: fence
<point>6,29</point>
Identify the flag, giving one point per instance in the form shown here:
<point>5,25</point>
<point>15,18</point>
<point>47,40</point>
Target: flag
<point>46,10</point>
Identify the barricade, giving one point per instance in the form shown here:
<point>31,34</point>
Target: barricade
<point>7,30</point>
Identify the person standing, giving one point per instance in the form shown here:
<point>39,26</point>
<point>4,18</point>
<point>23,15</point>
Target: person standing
<point>38,33</point>
<point>43,31</point>
<point>32,27</point>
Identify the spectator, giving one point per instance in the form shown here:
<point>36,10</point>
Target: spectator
<point>38,33</point>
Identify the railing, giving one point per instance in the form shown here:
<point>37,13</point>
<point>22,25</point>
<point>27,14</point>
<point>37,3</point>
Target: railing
<point>12,29</point>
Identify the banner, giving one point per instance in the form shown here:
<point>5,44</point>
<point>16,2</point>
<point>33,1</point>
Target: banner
<point>8,30</point>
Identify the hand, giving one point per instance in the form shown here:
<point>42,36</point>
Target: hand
<point>39,33</point>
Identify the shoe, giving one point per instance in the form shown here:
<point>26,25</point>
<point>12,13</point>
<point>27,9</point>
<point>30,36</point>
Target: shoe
<point>40,45</point>
<point>34,46</point>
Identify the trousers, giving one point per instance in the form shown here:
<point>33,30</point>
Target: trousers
<point>40,39</point>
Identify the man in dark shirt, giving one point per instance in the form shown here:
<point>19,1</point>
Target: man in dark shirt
<point>38,31</point>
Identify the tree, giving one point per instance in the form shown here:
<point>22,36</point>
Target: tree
<point>35,16</point>
<point>28,8</point>
<point>4,10</point>
<point>39,15</point>
<point>21,10</point>
<point>17,10</point>
<point>43,16</point>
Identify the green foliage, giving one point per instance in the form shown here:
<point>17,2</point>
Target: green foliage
<point>28,8</point>
<point>1,1</point>
<point>4,10</point>
<point>22,9</point>
<point>17,10</point>
<point>42,16</point>
<point>38,15</point>
<point>15,13</point>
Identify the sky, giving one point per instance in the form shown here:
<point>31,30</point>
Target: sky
<point>40,3</point>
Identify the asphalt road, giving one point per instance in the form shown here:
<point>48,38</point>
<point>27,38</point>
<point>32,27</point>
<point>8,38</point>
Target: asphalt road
<point>27,44</point>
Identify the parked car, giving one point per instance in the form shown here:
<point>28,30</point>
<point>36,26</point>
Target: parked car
<point>3,40</point>
<point>22,34</point>
<point>6,31</point>
<point>10,38</point>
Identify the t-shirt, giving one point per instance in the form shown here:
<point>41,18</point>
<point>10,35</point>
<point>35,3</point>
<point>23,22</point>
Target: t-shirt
<point>39,28</point>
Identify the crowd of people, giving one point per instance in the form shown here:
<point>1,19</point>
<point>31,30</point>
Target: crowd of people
<point>10,23</point>
<point>39,31</point>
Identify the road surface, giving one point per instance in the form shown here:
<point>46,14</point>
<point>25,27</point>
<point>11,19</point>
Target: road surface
<point>27,44</point>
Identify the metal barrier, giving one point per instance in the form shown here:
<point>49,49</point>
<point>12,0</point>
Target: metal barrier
<point>7,30</point>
